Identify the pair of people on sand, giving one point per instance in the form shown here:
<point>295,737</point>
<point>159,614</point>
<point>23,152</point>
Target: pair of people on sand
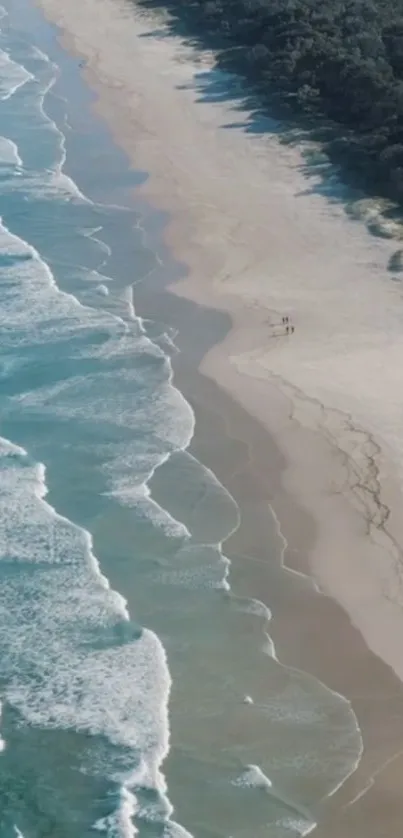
<point>286,322</point>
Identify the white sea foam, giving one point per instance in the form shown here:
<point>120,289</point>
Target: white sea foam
<point>12,76</point>
<point>253,776</point>
<point>300,823</point>
<point>60,602</point>
<point>177,433</point>
<point>9,155</point>
<point>59,183</point>
<point>39,53</point>
<point>140,498</point>
<point>102,397</point>
<point>175,830</point>
<point>48,615</point>
<point>37,273</point>
<point>254,606</point>
<point>51,182</point>
<point>68,627</point>
<point>297,825</point>
<point>2,742</point>
<point>35,311</point>
<point>119,824</point>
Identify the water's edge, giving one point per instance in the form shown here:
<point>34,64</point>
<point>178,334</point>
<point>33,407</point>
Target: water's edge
<point>158,305</point>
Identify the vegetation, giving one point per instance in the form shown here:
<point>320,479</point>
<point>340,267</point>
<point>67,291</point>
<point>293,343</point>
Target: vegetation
<point>341,60</point>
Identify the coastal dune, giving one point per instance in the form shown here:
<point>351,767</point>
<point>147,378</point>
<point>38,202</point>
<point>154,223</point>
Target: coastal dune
<point>261,241</point>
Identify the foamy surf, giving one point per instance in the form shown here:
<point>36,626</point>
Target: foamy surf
<point>34,533</point>
<point>9,155</point>
<point>73,685</point>
<point>253,777</point>
<point>82,693</point>
<point>12,76</point>
<point>2,741</point>
<point>85,697</point>
<point>120,823</point>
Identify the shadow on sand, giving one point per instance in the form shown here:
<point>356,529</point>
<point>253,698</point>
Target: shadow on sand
<point>322,145</point>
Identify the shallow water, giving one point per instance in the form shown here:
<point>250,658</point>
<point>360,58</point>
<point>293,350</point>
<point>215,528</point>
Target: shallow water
<point>120,639</point>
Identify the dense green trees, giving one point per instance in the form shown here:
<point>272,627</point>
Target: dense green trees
<point>341,60</point>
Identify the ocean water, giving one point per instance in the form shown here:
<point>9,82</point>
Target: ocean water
<point>139,693</point>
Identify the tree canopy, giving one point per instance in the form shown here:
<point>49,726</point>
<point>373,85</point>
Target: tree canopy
<point>341,60</point>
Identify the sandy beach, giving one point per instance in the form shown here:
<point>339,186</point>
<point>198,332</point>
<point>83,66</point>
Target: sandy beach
<point>314,415</point>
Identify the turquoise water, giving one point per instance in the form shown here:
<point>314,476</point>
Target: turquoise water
<point>125,656</point>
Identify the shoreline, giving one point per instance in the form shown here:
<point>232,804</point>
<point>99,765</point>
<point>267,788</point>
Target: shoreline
<point>338,657</point>
<point>224,273</point>
<point>216,373</point>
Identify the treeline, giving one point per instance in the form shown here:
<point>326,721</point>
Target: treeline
<point>338,59</point>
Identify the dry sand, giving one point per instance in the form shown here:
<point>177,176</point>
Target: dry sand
<point>261,243</point>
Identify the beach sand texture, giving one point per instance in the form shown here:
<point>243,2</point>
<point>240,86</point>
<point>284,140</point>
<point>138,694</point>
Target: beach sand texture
<point>261,242</point>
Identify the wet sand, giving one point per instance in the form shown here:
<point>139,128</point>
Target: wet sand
<point>313,465</point>
<point>257,246</point>
<point>309,629</point>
